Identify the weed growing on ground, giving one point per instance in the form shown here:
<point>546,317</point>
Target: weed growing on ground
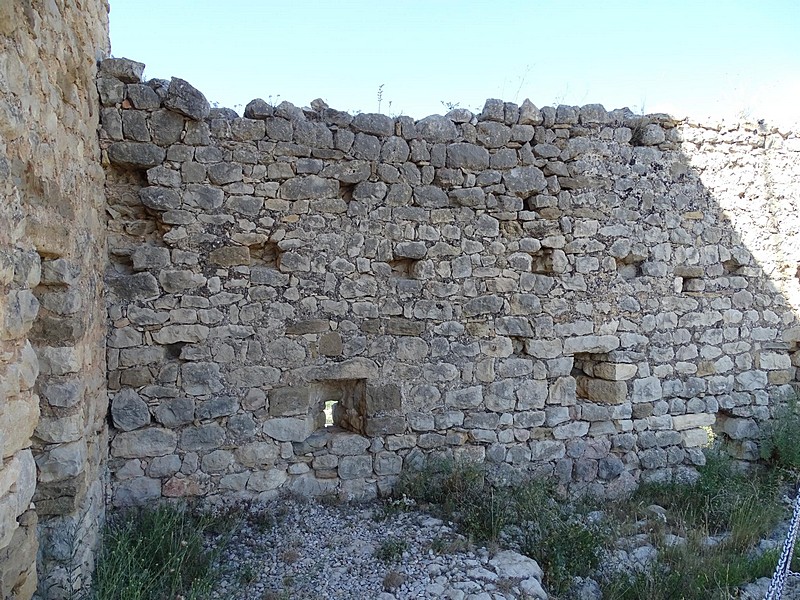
<point>691,571</point>
<point>779,444</point>
<point>247,575</point>
<point>449,544</point>
<point>290,556</point>
<point>530,517</point>
<point>151,554</point>
<point>723,499</point>
<point>391,549</point>
<point>705,534</point>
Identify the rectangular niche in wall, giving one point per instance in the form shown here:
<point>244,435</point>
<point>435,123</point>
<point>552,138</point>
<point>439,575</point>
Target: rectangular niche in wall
<point>358,406</point>
<point>690,279</point>
<point>405,268</point>
<point>268,256</point>
<point>341,403</point>
<point>542,262</point>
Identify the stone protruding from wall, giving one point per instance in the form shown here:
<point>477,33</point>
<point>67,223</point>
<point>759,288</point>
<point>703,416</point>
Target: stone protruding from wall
<point>52,365</point>
<point>311,300</point>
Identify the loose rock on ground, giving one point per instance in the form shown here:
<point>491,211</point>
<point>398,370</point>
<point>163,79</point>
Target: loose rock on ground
<point>303,549</point>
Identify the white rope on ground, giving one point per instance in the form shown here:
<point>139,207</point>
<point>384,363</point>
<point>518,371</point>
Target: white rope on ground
<point>783,569</point>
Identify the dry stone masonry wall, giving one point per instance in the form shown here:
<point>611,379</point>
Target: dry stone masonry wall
<point>552,291</point>
<point>309,300</point>
<point>53,399</point>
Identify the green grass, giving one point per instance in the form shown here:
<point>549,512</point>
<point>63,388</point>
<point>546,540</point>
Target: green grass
<point>155,554</point>
<point>779,445</point>
<point>531,517</point>
<point>534,518</point>
<point>691,572</point>
<point>391,549</point>
<point>722,500</point>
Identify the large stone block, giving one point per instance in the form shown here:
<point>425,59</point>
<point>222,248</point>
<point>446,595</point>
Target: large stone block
<point>467,156</point>
<point>18,418</point>
<point>140,286</point>
<point>354,368</point>
<point>373,123</point>
<point>289,429</point>
<point>309,188</point>
<point>383,426</point>
<point>601,390</point>
<point>172,334</point>
<point>183,98</point>
<point>264,481</point>
<point>355,467</point>
<point>55,429</point>
<point>63,462</point>
<point>152,441</point>
<point>289,401</point>
<point>20,310</point>
<point>465,398</point>
<point>591,344</point>
<point>382,399</point>
<point>129,411</point>
<point>257,454</point>
<point>136,155</point>
<point>614,371</point>
<point>200,378</point>
<point>347,444</point>
<point>18,482</point>
<point>741,429</point>
<point>137,492</point>
<point>647,389</point>
<point>437,129</point>
<point>524,181</point>
<point>201,438</point>
<point>692,421</point>
<point>124,69</point>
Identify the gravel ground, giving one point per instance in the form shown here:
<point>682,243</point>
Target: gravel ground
<point>296,549</point>
<point>313,550</point>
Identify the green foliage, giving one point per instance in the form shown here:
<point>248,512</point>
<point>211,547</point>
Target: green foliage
<point>557,534</point>
<point>723,499</point>
<point>391,549</point>
<point>779,444</point>
<point>247,575</point>
<point>691,572</point>
<point>531,516</point>
<point>449,544</point>
<point>155,554</point>
<point>459,492</point>
<point>741,508</point>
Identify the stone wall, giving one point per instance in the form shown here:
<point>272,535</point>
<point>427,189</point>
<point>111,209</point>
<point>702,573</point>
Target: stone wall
<point>562,291</point>
<point>308,300</point>
<point>52,408</point>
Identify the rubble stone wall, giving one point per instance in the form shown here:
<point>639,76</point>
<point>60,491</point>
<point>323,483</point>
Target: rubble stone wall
<point>563,291</point>
<point>53,398</point>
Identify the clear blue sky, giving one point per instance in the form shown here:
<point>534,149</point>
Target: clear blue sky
<point>695,57</point>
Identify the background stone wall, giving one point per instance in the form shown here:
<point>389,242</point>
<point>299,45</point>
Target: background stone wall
<point>52,253</point>
<point>560,291</point>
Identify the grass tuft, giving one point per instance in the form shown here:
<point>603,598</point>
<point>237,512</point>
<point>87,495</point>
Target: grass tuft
<point>779,445</point>
<point>155,554</point>
<point>705,535</point>
<point>530,517</point>
<point>391,549</point>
